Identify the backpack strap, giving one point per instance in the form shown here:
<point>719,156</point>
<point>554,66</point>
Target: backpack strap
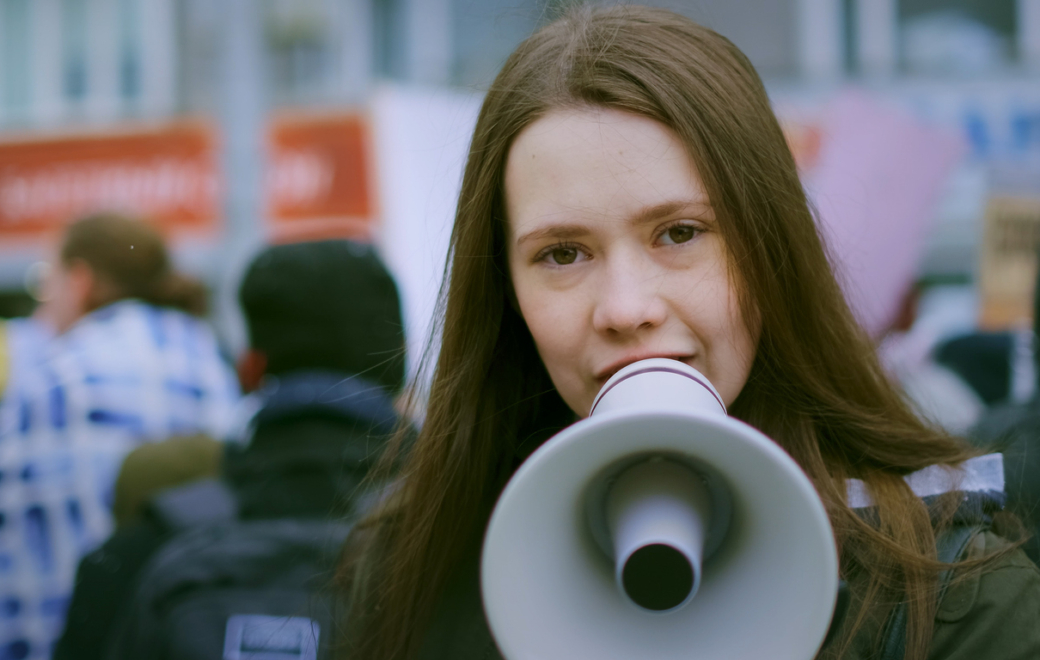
<point>949,545</point>
<point>197,504</point>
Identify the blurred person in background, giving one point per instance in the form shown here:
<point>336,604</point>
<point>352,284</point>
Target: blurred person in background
<point>130,329</point>
<point>1014,430</point>
<point>326,358</point>
<point>131,361</point>
<point>23,341</point>
<point>912,351</point>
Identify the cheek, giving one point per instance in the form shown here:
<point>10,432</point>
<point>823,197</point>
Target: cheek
<point>553,330</point>
<point>708,303</point>
<point>746,327</point>
<point>559,335</point>
<point>739,339</point>
<point>53,284</point>
<point>57,292</point>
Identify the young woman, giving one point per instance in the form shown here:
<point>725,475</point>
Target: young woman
<point>629,194</point>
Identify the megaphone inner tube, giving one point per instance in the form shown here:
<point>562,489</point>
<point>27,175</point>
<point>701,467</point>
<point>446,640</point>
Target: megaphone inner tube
<point>658,577</point>
<point>659,513</point>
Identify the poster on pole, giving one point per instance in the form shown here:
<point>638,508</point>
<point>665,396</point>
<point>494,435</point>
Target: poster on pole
<point>318,182</point>
<point>168,174</point>
<point>319,178</point>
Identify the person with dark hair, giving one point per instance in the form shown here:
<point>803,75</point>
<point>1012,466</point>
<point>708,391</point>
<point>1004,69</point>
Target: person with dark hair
<point>328,306</point>
<point>629,194</point>
<point>130,362</point>
<point>325,360</point>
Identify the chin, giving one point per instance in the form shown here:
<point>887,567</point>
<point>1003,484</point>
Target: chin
<point>581,408</point>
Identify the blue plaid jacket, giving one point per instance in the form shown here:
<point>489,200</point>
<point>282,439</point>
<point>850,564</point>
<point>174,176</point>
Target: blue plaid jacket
<point>75,405</point>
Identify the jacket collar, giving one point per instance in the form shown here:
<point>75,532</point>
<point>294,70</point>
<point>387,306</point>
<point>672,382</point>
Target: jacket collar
<point>327,392</point>
<point>979,477</point>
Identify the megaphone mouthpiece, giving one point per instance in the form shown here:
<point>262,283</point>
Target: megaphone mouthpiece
<point>657,384</point>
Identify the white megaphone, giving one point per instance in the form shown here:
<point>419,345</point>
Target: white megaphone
<point>659,527</point>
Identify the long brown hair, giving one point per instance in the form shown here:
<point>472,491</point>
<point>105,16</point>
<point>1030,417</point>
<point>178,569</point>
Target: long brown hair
<point>815,387</point>
<point>129,258</point>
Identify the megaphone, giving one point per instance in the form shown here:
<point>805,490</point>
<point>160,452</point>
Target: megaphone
<point>659,527</point>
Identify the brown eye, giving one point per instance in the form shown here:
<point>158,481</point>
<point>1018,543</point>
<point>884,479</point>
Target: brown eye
<point>680,233</point>
<point>564,255</point>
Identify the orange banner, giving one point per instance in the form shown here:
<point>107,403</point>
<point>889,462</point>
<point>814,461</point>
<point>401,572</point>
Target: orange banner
<point>319,181</point>
<point>168,175</point>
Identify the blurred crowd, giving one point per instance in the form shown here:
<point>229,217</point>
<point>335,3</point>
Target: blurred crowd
<point>124,423</point>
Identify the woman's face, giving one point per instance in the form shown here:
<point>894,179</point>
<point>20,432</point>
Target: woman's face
<point>66,291</point>
<point>615,255</point>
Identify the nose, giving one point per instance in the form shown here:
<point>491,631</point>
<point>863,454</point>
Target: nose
<point>629,300</point>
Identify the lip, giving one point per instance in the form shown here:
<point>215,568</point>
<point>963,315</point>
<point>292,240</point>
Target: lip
<point>604,375</point>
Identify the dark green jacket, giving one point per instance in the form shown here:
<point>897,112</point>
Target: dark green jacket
<point>986,615</point>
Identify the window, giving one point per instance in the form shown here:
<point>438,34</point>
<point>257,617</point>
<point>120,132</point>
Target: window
<point>15,64</point>
<point>300,49</point>
<point>74,49</point>
<point>956,36</point>
<point>129,50</point>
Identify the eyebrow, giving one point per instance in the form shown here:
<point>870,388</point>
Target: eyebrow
<point>644,216</point>
<point>559,232</point>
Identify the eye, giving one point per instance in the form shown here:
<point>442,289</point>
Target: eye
<point>679,234</point>
<point>563,255</point>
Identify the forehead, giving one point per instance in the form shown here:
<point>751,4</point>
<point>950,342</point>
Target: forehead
<point>596,163</point>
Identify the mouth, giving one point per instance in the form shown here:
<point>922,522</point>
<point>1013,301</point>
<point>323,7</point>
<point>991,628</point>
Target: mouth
<point>604,375</point>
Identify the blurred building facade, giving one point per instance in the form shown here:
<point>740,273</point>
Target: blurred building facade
<point>94,65</point>
<point>84,61</point>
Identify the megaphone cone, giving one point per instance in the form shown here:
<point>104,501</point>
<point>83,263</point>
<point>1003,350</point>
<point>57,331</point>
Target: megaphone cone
<point>659,527</point>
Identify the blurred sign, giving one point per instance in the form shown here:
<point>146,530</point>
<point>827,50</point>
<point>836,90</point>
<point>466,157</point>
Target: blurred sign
<point>167,174</point>
<point>1008,264</point>
<point>874,174</point>
<point>319,180</point>
<point>805,141</point>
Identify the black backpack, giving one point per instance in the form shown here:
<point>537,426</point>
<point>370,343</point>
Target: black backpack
<point>227,589</point>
